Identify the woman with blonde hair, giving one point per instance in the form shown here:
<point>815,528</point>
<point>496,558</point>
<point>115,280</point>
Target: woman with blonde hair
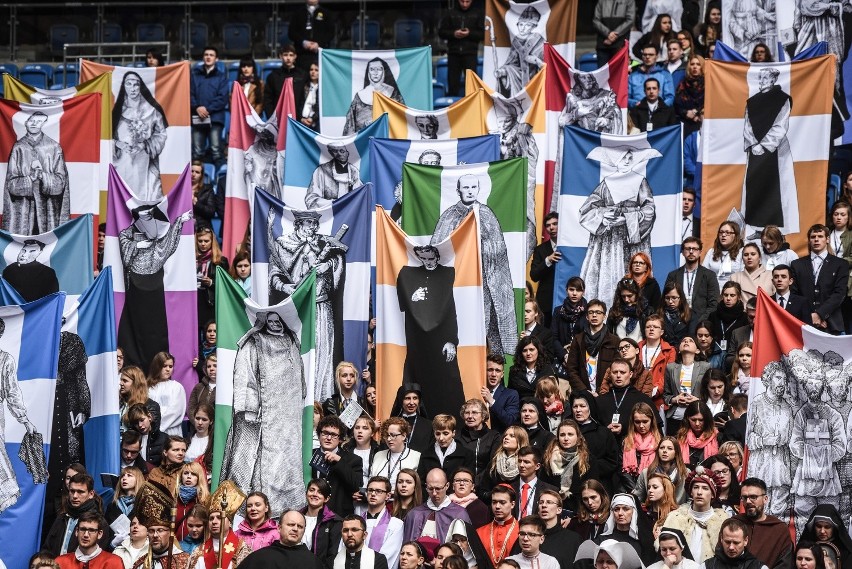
<point>776,250</point>
<point>504,465</point>
<point>192,490</point>
<point>547,391</point>
<point>640,443</point>
<point>130,481</point>
<point>567,463</point>
<point>133,388</point>
<point>347,379</point>
<point>660,501</point>
<point>208,256</point>
<point>733,451</point>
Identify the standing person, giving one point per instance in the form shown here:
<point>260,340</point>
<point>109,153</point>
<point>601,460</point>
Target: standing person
<point>289,551</point>
<point>481,441</point>
<point>567,464</point>
<point>531,537</point>
<point>543,267</point>
<point>699,283</point>
<point>531,365</point>
<point>647,70</point>
<point>219,533</point>
<point>561,543</point>
<point>725,257</point>
<point>208,96</point>
<point>384,531</point>
<point>409,406</point>
<point>347,382</point>
<point>408,493</point>
<point>655,354</point>
<point>678,319</point>
<point>730,313</point>
<point>446,454</point>
<point>258,529</point>
<point>732,551</point>
<point>770,542</point>
<point>502,531</point>
<point>311,28</point>
<point>613,20</point>
<point>307,100</point>
<point>463,495</point>
<point>398,456</point>
<point>698,519</point>
<point>627,317</point>
<point>569,319</point>
<point>61,538</point>
<point>208,256</point>
<point>661,32</point>
<point>362,443</point>
<point>639,444</point>
<point>203,197</point>
<point>616,408</point>
<point>697,435</point>
<point>433,518</point>
<point>504,464</point>
<point>592,351</point>
<point>603,447</point>
<point>683,383</point>
<point>660,501</point>
<point>147,445</point>
<point>135,546</point>
<point>754,275</point>
<point>689,98</point>
<point>463,31</point>
<point>168,393</point>
<point>288,70</point>
<point>667,462</point>
<point>322,525</point>
<point>675,62</point>
<point>776,250</point>
<point>355,552</point>
<point>822,279</point>
<point>89,530</point>
<point>251,84</point>
<point>344,468</point>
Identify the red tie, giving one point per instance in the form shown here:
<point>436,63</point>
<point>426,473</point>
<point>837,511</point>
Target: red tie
<point>525,495</point>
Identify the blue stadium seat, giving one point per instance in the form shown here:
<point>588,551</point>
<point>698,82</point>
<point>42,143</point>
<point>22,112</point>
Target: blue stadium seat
<point>236,38</point>
<point>198,34</point>
<point>407,33</point>
<point>112,33</point>
<point>272,42</point>
<point>37,75</point>
<point>226,131</point>
<point>479,66</point>
<point>209,173</point>
<point>835,187</point>
<point>438,90</point>
<point>233,71</point>
<point>372,35</point>
<point>441,74</point>
<point>9,68</point>
<point>220,65</point>
<point>444,102</point>
<point>268,67</point>
<point>150,32</point>
<point>60,34</point>
<point>588,62</point>
<point>67,74</point>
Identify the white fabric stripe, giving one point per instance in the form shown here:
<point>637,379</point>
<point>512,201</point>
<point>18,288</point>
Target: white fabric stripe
<point>724,139</point>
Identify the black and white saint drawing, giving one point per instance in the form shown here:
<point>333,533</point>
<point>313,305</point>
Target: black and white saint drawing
<point>750,22</point>
<point>500,325</point>
<point>428,126</point>
<point>430,158</point>
<point>36,198</point>
<point>619,216</point>
<point>32,279</point>
<point>526,55</point>
<point>145,246</point>
<point>263,165</point>
<point>769,187</point>
<point>425,296</point>
<point>517,141</point>
<point>139,131</point>
<point>332,179</point>
<point>269,396</point>
<point>291,258</point>
<point>377,77</point>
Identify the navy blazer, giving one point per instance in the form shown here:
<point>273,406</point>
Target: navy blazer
<point>797,306</point>
<point>826,295</point>
<point>506,409</point>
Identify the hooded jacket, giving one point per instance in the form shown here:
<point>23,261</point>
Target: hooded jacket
<point>258,538</point>
<point>326,536</point>
<point>721,561</point>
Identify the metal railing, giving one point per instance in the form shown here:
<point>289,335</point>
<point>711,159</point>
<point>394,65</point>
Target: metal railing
<point>120,53</point>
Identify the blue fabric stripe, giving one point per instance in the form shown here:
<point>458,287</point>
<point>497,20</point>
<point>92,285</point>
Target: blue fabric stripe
<point>96,323</point>
<point>39,356</point>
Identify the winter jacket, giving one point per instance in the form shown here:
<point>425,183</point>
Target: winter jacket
<point>211,91</point>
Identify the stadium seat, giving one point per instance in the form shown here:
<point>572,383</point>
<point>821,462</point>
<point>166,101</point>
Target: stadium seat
<point>441,71</point>
<point>479,64</point>
<point>209,173</point>
<point>438,90</point>
<point>444,102</point>
<point>9,68</point>
<point>272,42</point>
<point>112,33</point>
<point>233,71</point>
<point>236,38</point>
<point>37,75</point>
<point>373,33</point>
<point>220,65</point>
<point>588,62</point>
<point>198,35</point>
<point>60,34</point>
<point>67,74</point>
<point>150,32</point>
<point>268,67</point>
<point>835,187</point>
<point>407,33</point>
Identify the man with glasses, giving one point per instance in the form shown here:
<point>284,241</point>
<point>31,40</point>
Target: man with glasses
<point>770,537</point>
<point>88,554</point>
<point>355,555</point>
<point>559,542</point>
<point>502,531</point>
<point>592,351</point>
<point>342,469</point>
<point>384,530</point>
<point>433,517</point>
<point>646,70</point>
<point>531,537</point>
<point>699,284</point>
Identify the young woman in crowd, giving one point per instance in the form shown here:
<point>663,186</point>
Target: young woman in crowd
<point>140,418</point>
<point>206,348</point>
<point>776,250</point>
<point>203,198</point>
<point>462,488</point>
<point>531,364</point>
<point>641,272</point>
<point>725,257</point>
<point>754,275</point>
<point>322,526</point>
<point>407,493</point>
<point>641,378</point>
<point>196,523</point>
<point>629,310</point>
<point>599,439</point>
<point>741,376</point>
<point>668,462</point>
<point>660,501</point>
<point>568,464</point>
<point>397,456</point>
<point>761,54</point>
<point>307,100</point>
<point>171,461</point>
<point>683,383</point>
<point>708,33</point>
<point>640,444</point>
<point>534,421</point>
<point>240,271</point>
<point>729,314</point>
<point>570,317</point>
<point>202,422</point>
<point>689,96</point>
<point>687,43</point>
<point>258,529</point>
<point>547,391</point>
<point>733,451</point>
<point>364,445</point>
<point>130,481</point>
<point>134,546</point>
<point>533,327</point>
<point>504,465</point>
<point>715,391</point>
<point>708,348</point>
<point>370,397</point>
<point>593,511</point>
<point>660,33</point>
<point>444,551</point>
<point>250,83</point>
<point>167,392</point>
<point>192,489</point>
<point>728,492</point>
<point>347,379</point>
<point>411,556</point>
<point>205,390</point>
<point>697,435</point>
<point>132,389</point>
<point>679,320</point>
<point>208,256</point>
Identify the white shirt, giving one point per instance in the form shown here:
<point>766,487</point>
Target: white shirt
<point>310,524</point>
<point>540,561</point>
<point>530,497</point>
<point>393,539</point>
<point>197,446</point>
<point>172,399</point>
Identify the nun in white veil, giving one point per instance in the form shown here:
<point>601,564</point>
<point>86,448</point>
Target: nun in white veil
<point>608,552</point>
<point>619,215</point>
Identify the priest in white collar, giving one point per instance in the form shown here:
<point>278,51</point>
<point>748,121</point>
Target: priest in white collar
<point>355,554</point>
<point>384,530</point>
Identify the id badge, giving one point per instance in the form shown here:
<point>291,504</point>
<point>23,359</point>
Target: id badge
<point>616,417</point>
<point>723,344</point>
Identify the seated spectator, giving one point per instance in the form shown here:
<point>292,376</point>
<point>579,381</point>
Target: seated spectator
<point>708,348</point>
<point>648,69</point>
<point>679,320</point>
<point>675,62</point>
<point>652,112</point>
<point>689,98</point>
<point>641,272</point>
<point>629,308</point>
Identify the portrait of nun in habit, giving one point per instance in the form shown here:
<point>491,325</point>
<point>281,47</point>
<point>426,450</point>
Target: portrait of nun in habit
<point>619,215</point>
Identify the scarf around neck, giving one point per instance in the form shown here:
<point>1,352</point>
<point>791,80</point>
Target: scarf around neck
<point>594,341</point>
<point>187,493</point>
<point>709,444</point>
<point>562,464</point>
<point>646,447</point>
<point>507,466</point>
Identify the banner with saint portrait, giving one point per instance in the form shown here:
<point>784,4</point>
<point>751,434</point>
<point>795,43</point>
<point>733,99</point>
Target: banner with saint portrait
<point>388,157</point>
<point>151,127</point>
<point>520,120</point>
<point>462,119</point>
<point>614,189</point>
<point>29,357</point>
<point>151,247</point>
<point>515,34</point>
<point>255,160</point>
<point>430,326</point>
<point>288,242</point>
<point>594,100</point>
<point>16,90</point>
<point>435,201</point>
<point>348,79</point>
<point>49,160</point>
<point>321,169</point>
<point>764,143</point>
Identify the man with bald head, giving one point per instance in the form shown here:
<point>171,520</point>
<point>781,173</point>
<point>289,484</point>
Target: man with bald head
<point>434,516</point>
<point>289,551</point>
<point>500,326</point>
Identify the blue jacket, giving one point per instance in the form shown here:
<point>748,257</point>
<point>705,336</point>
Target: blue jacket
<point>636,85</point>
<point>506,410</point>
<point>209,90</point>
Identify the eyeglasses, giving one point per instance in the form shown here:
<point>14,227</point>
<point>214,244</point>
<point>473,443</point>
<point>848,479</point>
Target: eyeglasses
<point>722,471</point>
<point>376,491</point>
<point>624,347</point>
<point>751,497</point>
<point>671,298</point>
<point>529,534</point>
<point>393,435</point>
<point>726,232</point>
<point>463,481</point>
<point>435,488</point>
<point>459,539</point>
<point>595,312</point>
<point>692,248</point>
<point>329,434</point>
<point>638,263</point>
<point>88,530</point>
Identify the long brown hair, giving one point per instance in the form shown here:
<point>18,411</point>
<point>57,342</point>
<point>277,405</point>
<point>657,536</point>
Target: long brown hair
<point>523,440</point>
<point>138,385</point>
<point>582,446</point>
<point>667,503</point>
<point>735,247</point>
<point>643,409</point>
<point>157,364</point>
<point>683,309</point>
<point>215,251</point>
<point>416,499</point>
<point>583,513</point>
<point>680,466</point>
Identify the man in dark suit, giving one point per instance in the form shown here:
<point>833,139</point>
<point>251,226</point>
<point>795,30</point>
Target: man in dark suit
<point>782,280</point>
<point>822,279</point>
<point>344,469</point>
<point>735,429</point>
<point>594,348</point>
<point>528,486</point>
<point>698,283</point>
<point>543,268</point>
<point>311,27</point>
<point>691,223</point>
<point>741,334</point>
<point>503,403</point>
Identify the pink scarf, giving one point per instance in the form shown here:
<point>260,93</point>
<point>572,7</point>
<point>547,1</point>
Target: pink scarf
<point>709,445</point>
<point>465,501</point>
<point>646,447</point>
